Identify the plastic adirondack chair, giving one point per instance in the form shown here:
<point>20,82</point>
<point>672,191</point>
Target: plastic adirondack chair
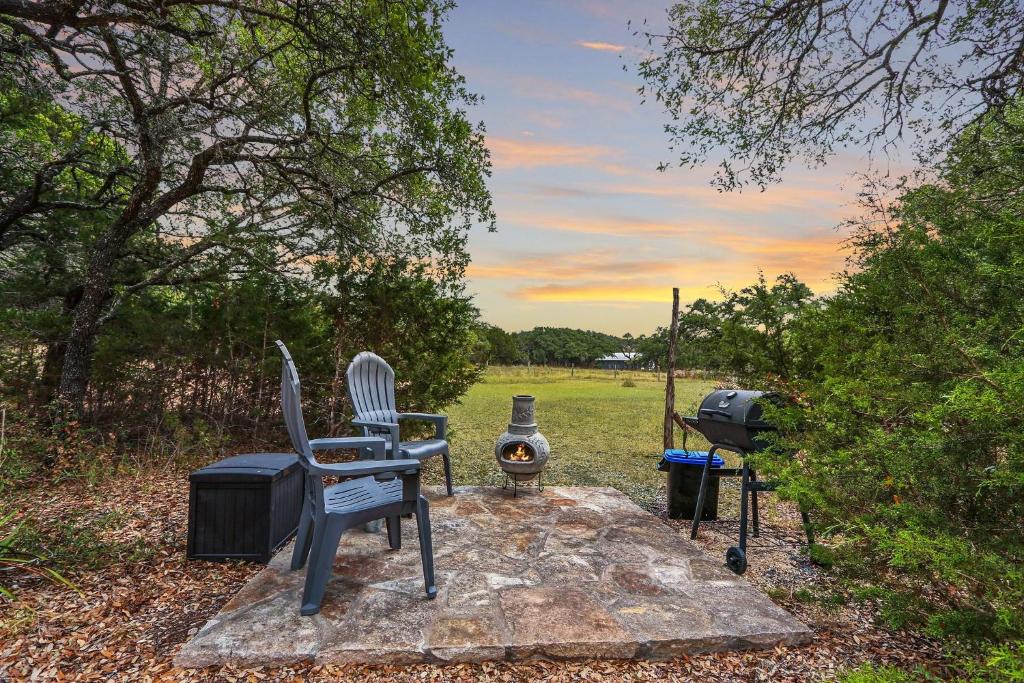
<point>371,388</point>
<point>373,490</point>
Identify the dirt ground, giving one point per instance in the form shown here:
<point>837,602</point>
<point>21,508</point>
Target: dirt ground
<point>128,619</point>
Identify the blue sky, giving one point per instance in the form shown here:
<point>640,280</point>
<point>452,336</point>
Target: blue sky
<point>590,234</point>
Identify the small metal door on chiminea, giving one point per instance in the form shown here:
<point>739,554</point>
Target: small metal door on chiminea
<point>521,450</point>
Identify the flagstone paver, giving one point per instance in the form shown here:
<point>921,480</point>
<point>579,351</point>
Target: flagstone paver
<point>567,573</point>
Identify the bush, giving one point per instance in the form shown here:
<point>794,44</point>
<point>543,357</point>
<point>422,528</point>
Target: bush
<point>907,386</point>
<point>996,664</point>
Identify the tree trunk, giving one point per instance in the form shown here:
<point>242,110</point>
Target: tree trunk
<point>85,322</point>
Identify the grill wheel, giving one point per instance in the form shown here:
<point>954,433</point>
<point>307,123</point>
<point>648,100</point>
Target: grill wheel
<point>736,560</point>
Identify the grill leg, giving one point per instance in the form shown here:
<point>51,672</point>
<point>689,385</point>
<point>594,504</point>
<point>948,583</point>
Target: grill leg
<point>700,495</point>
<point>753,505</point>
<point>744,491</point>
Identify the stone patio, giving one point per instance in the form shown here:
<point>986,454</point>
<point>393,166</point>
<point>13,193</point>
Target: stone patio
<point>570,572</point>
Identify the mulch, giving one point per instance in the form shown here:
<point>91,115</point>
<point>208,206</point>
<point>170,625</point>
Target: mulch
<point>128,620</point>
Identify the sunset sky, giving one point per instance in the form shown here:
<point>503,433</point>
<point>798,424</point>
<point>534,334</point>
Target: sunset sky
<point>590,234</point>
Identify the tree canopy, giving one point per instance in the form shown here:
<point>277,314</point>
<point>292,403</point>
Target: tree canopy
<point>201,140</point>
<point>769,81</point>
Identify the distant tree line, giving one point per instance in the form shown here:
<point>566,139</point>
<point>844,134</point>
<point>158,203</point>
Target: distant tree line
<point>547,346</point>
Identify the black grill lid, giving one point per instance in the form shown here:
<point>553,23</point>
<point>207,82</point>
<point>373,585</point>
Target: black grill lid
<point>733,417</point>
<point>735,405</point>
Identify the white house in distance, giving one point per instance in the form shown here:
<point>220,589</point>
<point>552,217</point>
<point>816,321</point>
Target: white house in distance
<point>616,361</point>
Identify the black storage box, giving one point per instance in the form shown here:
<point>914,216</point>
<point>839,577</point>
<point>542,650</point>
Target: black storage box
<point>244,507</point>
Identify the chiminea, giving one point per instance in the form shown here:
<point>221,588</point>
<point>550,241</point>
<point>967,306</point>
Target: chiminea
<point>522,450</point>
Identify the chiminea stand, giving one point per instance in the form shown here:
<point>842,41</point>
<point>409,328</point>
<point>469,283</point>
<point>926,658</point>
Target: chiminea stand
<point>515,483</point>
<point>736,556</point>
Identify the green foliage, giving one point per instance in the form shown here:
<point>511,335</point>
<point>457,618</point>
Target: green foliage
<point>234,142</point>
<point>869,673</point>
<point>1000,663</point>
<point>78,542</point>
<point>564,346</point>
<point>497,346</point>
<point>745,334</point>
<point>908,384</point>
<point>19,552</point>
<point>905,388</point>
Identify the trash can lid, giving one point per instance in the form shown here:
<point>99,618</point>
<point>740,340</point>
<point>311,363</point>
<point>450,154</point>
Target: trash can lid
<point>249,466</point>
<point>692,457</point>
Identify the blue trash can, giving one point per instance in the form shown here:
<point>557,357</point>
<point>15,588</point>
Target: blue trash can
<point>685,469</point>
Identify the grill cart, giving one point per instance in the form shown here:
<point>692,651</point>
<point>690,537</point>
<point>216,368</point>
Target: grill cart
<point>732,420</point>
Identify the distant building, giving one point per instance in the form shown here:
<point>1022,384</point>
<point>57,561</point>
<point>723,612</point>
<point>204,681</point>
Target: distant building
<point>616,361</point>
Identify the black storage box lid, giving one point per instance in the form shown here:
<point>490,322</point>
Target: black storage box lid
<point>249,467</point>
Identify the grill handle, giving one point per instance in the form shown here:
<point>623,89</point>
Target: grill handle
<point>720,413</point>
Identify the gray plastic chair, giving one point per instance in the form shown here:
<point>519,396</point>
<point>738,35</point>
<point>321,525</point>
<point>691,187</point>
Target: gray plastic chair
<point>371,388</point>
<point>374,489</point>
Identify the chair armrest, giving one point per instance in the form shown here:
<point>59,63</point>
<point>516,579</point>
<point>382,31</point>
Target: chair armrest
<point>440,422</point>
<point>374,443</point>
<point>365,468</point>
<point>391,427</point>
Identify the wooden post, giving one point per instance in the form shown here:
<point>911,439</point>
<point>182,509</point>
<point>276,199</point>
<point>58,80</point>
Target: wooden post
<point>670,371</point>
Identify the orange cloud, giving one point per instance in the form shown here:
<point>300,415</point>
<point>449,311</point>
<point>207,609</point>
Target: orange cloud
<point>512,153</point>
<point>599,45</point>
<point>727,259</point>
<point>618,226</point>
<point>571,267</point>
<point>594,293</point>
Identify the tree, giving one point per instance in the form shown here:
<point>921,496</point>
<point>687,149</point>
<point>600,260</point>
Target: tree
<point>498,346</point>
<point>748,334</point>
<point>299,129</point>
<point>771,81</point>
<point>562,346</point>
<point>908,386</point>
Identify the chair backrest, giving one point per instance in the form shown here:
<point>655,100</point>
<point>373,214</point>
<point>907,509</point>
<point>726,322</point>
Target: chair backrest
<point>291,406</point>
<point>371,388</point>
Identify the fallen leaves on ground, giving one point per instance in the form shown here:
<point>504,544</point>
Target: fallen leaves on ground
<point>128,620</point>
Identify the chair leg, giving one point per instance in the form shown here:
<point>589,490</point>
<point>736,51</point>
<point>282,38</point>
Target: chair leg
<point>302,538</point>
<point>426,549</point>
<point>447,472</point>
<point>326,537</point>
<point>394,532</point>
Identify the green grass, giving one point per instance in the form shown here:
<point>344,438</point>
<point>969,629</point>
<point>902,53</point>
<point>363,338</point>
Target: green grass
<point>601,432</point>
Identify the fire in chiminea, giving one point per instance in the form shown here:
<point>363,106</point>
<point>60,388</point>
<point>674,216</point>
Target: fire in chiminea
<point>522,450</point>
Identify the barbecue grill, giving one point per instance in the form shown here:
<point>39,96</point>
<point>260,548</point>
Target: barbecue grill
<point>733,420</point>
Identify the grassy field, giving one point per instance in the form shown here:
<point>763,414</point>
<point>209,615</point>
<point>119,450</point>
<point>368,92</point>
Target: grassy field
<point>601,432</point>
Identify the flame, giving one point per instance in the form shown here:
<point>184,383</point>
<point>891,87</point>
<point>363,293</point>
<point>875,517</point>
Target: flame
<point>520,454</point>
